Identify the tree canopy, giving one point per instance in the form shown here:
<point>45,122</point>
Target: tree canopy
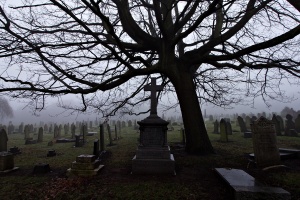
<point>216,51</point>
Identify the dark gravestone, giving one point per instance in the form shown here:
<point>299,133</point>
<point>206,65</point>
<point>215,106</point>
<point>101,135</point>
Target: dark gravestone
<point>297,124</point>
<point>15,150</point>
<point>242,124</point>
<point>73,129</point>
<point>7,162</point>
<point>78,141</point>
<point>116,133</point>
<point>153,154</point>
<point>228,126</point>
<point>248,121</point>
<point>279,118</point>
<point>40,135</point>
<point>216,127</point>
<point>277,125</point>
<point>3,140</point>
<point>51,153</point>
<point>96,148</point>
<point>289,125</point>
<point>101,138</point>
<point>223,131</point>
<point>109,136</point>
<point>264,143</point>
<point>41,168</point>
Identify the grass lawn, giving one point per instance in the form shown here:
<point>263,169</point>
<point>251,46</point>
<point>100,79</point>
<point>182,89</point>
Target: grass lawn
<point>195,178</point>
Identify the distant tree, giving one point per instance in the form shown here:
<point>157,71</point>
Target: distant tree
<point>104,51</point>
<point>6,110</point>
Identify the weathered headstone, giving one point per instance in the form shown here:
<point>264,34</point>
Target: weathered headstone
<point>248,121</point>
<point>297,123</point>
<point>264,143</point>
<point>40,135</point>
<point>289,125</point>
<point>223,131</point>
<point>109,135</point>
<point>7,162</point>
<point>228,126</point>
<point>279,118</point>
<point>277,125</point>
<point>73,129</point>
<point>96,148</point>
<point>85,165</point>
<point>116,133</point>
<point>102,138</point>
<point>3,140</point>
<point>129,123</point>
<point>26,132</point>
<point>153,154</point>
<point>216,127</point>
<point>242,124</point>
<point>56,131</point>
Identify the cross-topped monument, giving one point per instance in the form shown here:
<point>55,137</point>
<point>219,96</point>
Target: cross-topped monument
<point>153,88</point>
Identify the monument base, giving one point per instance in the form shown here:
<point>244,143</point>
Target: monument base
<point>153,166</point>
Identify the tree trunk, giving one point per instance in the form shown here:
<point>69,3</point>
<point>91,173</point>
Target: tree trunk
<point>197,141</point>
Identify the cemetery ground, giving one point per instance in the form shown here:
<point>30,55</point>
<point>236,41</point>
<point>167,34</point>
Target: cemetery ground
<point>195,177</point>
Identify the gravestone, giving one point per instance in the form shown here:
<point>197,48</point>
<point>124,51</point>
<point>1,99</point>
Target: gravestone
<point>96,148</point>
<point>51,153</point>
<point>277,125</point>
<point>14,150</point>
<point>101,138</point>
<point>109,136</point>
<point>46,128</point>
<point>242,124</point>
<point>216,127</point>
<point>116,133</point>
<point>56,131</point>
<point>264,143</point>
<point>73,129</point>
<point>26,133</point>
<point>248,121</point>
<point>59,131</point>
<point>21,128</point>
<point>297,123</point>
<point>85,165</point>
<point>228,126</point>
<point>41,168</point>
<point>279,118</point>
<point>129,123</point>
<point>40,135</point>
<point>7,162</point>
<point>223,131</point>
<point>153,154</point>
<point>123,124</point>
<point>66,129</point>
<point>3,140</point>
<point>289,125</point>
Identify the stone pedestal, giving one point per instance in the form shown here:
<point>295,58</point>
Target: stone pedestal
<point>85,165</point>
<point>7,162</point>
<point>153,154</point>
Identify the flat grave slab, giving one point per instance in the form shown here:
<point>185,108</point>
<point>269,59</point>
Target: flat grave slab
<point>284,154</point>
<point>246,187</point>
<point>64,140</point>
<point>91,133</point>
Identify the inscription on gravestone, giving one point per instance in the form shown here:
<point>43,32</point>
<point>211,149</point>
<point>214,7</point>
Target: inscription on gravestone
<point>264,143</point>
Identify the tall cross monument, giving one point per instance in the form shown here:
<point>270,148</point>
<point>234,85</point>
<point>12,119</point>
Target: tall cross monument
<point>153,155</point>
<point>153,88</point>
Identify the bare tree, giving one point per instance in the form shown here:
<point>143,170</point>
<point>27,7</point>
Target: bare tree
<point>216,51</point>
<point>5,109</point>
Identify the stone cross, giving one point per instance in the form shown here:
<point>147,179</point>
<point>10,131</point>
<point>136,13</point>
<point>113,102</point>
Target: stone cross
<point>153,88</point>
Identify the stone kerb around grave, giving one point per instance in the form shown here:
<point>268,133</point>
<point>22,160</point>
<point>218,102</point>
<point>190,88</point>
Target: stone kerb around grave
<point>264,143</point>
